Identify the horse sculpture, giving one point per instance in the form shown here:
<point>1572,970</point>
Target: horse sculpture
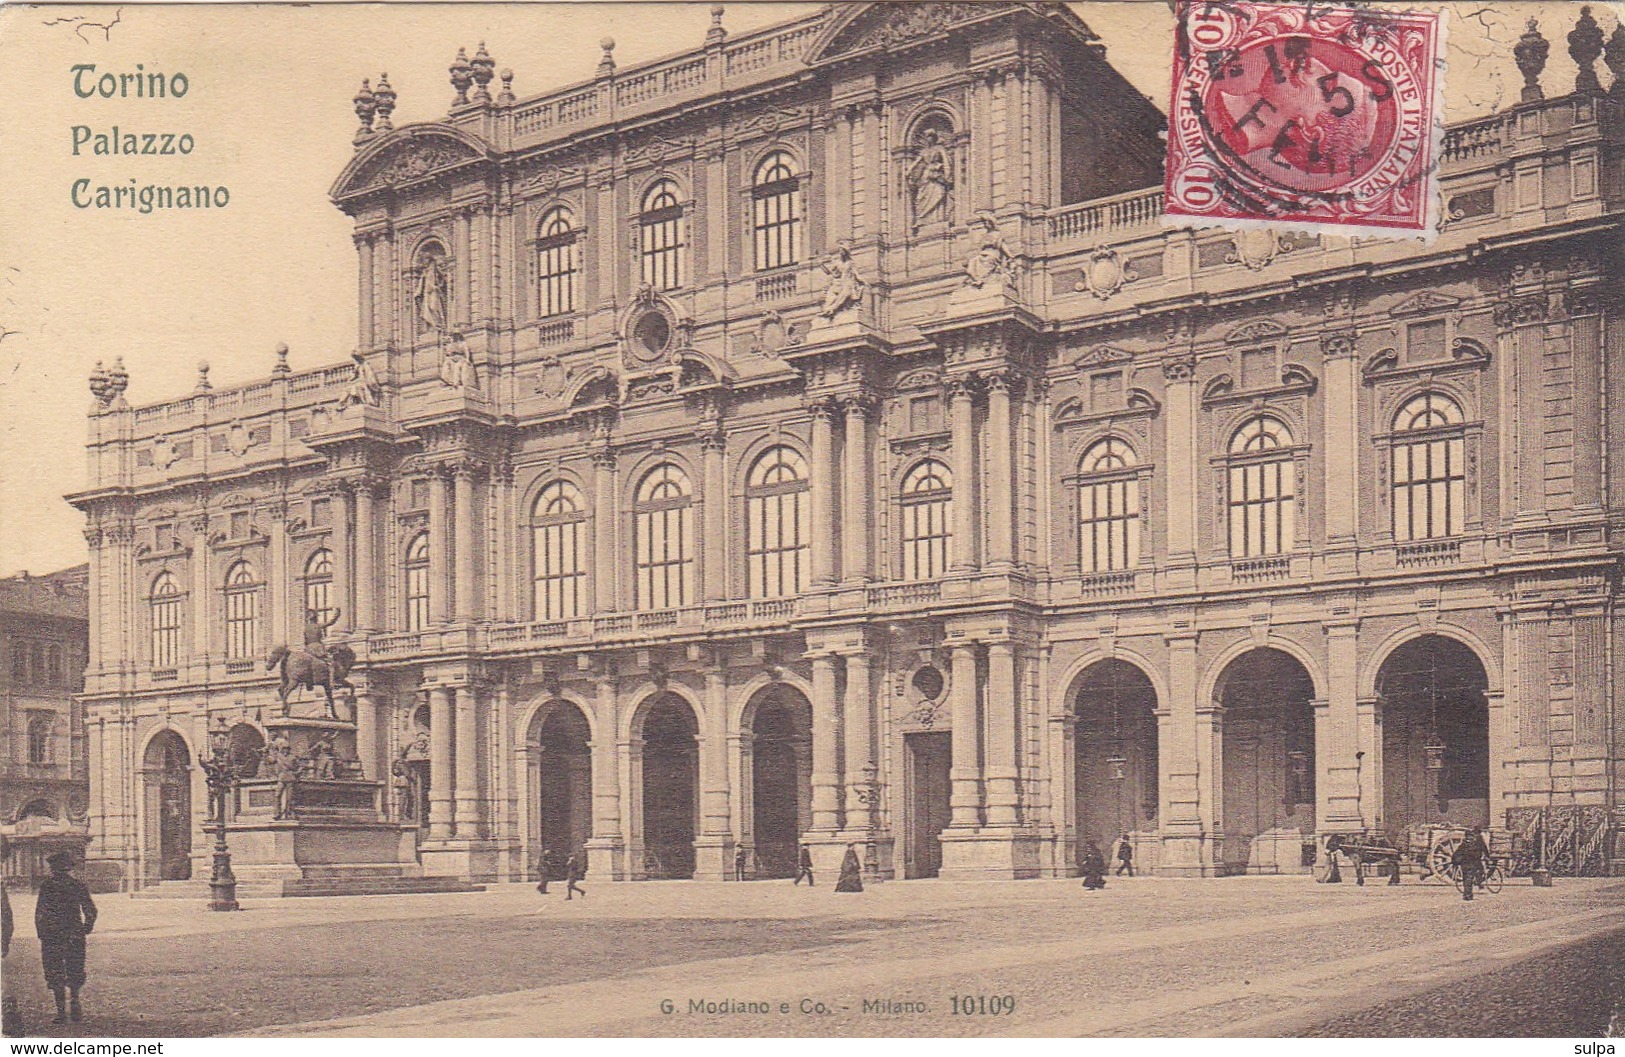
<point>304,669</point>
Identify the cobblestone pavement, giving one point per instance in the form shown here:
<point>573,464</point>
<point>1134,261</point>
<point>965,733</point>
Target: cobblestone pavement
<point>1149,956</point>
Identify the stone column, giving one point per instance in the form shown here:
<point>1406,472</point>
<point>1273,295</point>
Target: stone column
<point>1183,832</point>
<point>604,513</point>
<point>366,734</point>
<point>1368,738</point>
<point>1003,736</point>
<point>1343,444</point>
<point>203,593</point>
<point>1179,413</point>
<point>823,495</point>
<point>714,846</point>
<point>1000,476</point>
<point>365,304</point>
<point>826,777</point>
<point>605,851</point>
<point>855,505</point>
<point>715,571</point>
<point>441,769</point>
<point>276,589</point>
<point>467,811</point>
<point>440,532</point>
<point>366,564</point>
<point>964,557</point>
<point>860,753</point>
<point>339,544</point>
<point>965,800</point>
<point>467,533</point>
<point>1338,800</point>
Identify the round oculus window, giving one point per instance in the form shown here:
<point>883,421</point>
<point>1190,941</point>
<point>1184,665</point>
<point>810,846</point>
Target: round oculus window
<point>650,335</point>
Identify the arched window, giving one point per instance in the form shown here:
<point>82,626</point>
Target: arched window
<point>1263,503</point>
<point>319,585</point>
<point>660,223</point>
<point>927,499</point>
<point>417,582</point>
<point>556,263</point>
<point>165,603</point>
<point>39,738</point>
<point>776,212</point>
<point>777,531</point>
<point>242,611</point>
<point>1430,474</point>
<point>663,538</point>
<point>1108,508</point>
<point>557,523</point>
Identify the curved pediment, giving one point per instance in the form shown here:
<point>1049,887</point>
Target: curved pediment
<point>888,27</point>
<point>406,156</point>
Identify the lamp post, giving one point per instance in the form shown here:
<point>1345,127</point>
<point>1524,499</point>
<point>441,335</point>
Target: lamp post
<point>220,772</point>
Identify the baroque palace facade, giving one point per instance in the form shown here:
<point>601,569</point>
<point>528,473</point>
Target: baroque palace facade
<point>816,437</point>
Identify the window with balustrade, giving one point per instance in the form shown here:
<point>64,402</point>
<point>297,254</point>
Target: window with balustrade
<point>776,212</point>
<point>319,586</point>
<point>663,539</point>
<point>661,245</point>
<point>927,512</point>
<point>557,263</point>
<point>417,582</point>
<point>1429,469</point>
<point>558,572</point>
<point>1263,487</point>
<point>1108,508</point>
<point>777,527</point>
<point>164,603</point>
<point>242,611</point>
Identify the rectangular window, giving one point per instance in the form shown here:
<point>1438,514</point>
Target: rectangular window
<point>663,248</point>
<point>166,632</point>
<point>556,271</point>
<point>1262,508</point>
<point>560,572</point>
<point>1427,340</point>
<point>665,569</point>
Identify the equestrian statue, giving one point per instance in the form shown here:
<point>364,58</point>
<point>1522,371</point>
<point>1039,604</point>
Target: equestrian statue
<point>314,665</point>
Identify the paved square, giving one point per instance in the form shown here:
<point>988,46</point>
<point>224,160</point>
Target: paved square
<point>1149,956</point>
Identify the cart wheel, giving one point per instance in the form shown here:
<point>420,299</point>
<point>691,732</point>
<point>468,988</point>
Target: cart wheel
<point>1439,858</point>
<point>1494,879</point>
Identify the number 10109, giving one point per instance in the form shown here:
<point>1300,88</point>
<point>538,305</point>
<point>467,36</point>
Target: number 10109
<point>983,1005</point>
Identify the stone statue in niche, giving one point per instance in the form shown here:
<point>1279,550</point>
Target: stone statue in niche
<point>931,180</point>
<point>456,366</point>
<point>433,291</point>
<point>364,387</point>
<point>845,288</point>
<point>990,259</point>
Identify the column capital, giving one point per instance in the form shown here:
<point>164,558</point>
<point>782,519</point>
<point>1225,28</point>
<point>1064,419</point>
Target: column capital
<point>822,408</point>
<point>962,386</point>
<point>1179,368</point>
<point>858,405</point>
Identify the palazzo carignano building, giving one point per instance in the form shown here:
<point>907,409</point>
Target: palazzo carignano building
<point>816,437</point>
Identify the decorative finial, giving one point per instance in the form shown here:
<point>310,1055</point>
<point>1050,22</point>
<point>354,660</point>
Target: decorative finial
<point>281,367</point>
<point>118,380</point>
<point>1613,56</point>
<point>203,385</point>
<point>1530,54</point>
<point>483,66</point>
<point>385,95</point>
<point>506,96</point>
<point>716,34</point>
<point>1585,44</point>
<point>365,106</point>
<point>101,385</point>
<point>606,65</point>
<point>462,75</point>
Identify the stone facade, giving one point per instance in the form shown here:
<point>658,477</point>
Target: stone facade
<point>817,438</point>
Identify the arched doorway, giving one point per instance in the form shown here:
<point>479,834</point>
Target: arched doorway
<point>671,775</point>
<point>561,782</point>
<point>1115,754</point>
<point>780,778</point>
<point>1435,735</point>
<point>1269,762</point>
<point>167,776</point>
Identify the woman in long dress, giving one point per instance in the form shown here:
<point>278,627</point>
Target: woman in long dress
<point>1094,866</point>
<point>851,872</point>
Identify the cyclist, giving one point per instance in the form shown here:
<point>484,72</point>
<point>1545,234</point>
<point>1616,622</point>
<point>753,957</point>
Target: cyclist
<point>1468,859</point>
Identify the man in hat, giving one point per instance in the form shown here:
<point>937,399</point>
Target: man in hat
<point>804,867</point>
<point>573,873</point>
<point>1469,858</point>
<point>63,916</point>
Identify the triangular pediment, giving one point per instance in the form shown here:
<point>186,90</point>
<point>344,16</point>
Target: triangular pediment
<point>1424,302</point>
<point>891,27</point>
<point>407,156</point>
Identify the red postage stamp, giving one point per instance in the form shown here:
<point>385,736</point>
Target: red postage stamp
<point>1305,115</point>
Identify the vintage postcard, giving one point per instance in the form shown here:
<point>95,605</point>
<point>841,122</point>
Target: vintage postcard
<point>804,520</point>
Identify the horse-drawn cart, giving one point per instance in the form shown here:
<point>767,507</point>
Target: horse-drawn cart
<point>1429,847</point>
<point>1434,844</point>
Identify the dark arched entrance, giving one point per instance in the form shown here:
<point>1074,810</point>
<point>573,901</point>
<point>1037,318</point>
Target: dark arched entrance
<point>1435,735</point>
<point>671,773</point>
<point>1269,762</point>
<point>561,781</point>
<point>167,777</point>
<point>781,778</point>
<point>1115,752</point>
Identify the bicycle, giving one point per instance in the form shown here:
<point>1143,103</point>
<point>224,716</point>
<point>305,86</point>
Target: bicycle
<point>1493,881</point>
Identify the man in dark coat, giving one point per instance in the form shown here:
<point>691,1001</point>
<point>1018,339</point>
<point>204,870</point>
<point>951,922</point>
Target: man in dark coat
<point>804,869</point>
<point>1125,856</point>
<point>1468,859</point>
<point>63,917</point>
<point>573,873</point>
<point>740,858</point>
<point>1094,866</point>
<point>851,879</point>
<point>544,866</point>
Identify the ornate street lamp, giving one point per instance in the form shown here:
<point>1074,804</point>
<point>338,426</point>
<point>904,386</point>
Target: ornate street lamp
<point>1434,748</point>
<point>221,772</point>
<point>1119,765</point>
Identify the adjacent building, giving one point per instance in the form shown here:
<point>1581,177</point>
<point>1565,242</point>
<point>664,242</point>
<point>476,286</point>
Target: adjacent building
<point>817,438</point>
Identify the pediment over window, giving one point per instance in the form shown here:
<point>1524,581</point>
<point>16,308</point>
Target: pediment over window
<point>1425,302</point>
<point>593,387</point>
<point>1137,403</point>
<point>1256,331</point>
<point>407,156</point>
<point>696,370</point>
<point>1102,355</point>
<point>867,28</point>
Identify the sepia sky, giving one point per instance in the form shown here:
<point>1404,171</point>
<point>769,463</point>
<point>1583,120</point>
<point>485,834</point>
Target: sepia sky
<point>270,114</point>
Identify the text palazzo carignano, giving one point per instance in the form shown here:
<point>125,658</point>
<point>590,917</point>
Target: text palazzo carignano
<point>89,140</point>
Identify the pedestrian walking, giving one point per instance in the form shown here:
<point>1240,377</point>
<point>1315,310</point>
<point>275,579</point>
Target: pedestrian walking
<point>63,916</point>
<point>543,867</point>
<point>804,867</point>
<point>1468,859</point>
<point>1125,856</point>
<point>739,864</point>
<point>1094,866</point>
<point>851,879</point>
<point>573,873</point>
